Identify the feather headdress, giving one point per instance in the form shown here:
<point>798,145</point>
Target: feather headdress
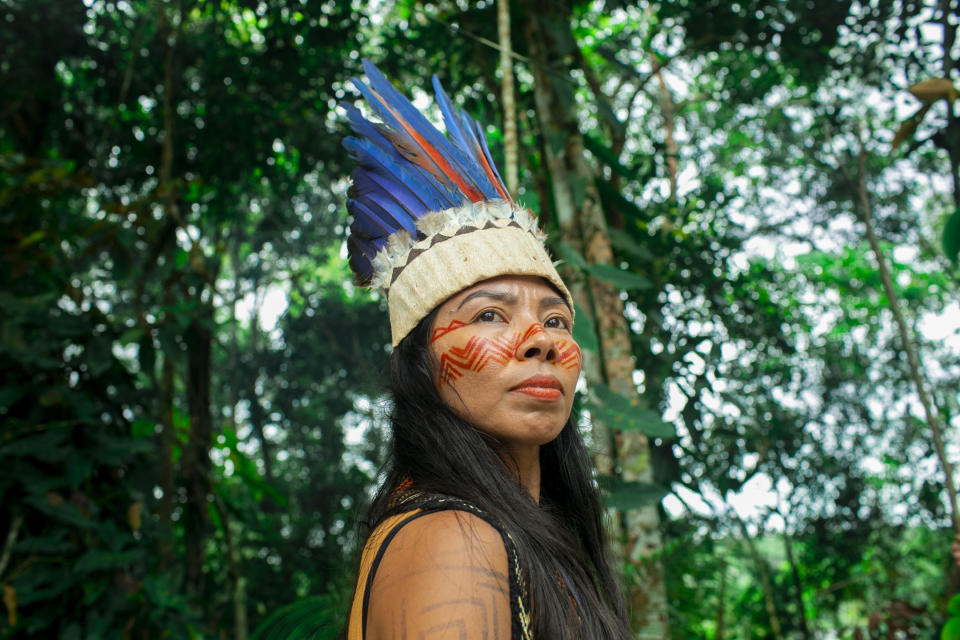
<point>431,215</point>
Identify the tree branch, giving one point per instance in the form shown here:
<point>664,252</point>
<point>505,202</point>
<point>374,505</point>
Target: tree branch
<point>11,539</point>
<point>912,360</point>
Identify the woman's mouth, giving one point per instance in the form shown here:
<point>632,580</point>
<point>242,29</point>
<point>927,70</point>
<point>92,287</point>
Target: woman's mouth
<point>540,387</point>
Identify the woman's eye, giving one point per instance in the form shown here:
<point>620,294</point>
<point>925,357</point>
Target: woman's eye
<point>488,316</point>
<point>557,322</point>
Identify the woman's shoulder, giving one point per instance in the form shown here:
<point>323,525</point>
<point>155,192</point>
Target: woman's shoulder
<point>442,570</point>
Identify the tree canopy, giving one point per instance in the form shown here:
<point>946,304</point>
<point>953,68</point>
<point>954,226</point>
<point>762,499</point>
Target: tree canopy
<point>757,205</point>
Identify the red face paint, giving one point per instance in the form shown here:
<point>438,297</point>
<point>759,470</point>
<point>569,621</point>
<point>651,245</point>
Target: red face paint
<point>439,332</point>
<point>569,354</point>
<point>475,355</point>
<point>525,395</point>
<point>478,352</point>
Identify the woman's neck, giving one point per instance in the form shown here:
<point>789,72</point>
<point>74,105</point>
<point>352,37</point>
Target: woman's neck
<point>525,463</point>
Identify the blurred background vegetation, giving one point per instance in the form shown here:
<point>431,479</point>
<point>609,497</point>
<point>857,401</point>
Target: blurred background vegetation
<point>191,409</point>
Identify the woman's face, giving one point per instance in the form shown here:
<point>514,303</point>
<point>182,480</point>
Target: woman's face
<point>506,359</point>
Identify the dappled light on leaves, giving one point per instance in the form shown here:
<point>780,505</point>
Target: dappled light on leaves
<point>193,404</point>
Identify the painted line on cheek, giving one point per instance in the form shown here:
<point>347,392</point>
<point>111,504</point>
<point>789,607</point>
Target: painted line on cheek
<point>570,355</point>
<point>439,332</point>
<point>475,355</point>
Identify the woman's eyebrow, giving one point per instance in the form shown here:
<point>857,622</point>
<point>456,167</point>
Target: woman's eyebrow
<point>507,298</point>
<point>552,301</point>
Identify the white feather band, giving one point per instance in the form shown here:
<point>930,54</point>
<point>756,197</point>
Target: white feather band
<point>448,223</point>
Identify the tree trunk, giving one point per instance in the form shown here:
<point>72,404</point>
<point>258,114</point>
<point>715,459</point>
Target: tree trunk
<point>768,600</point>
<point>507,96</point>
<point>797,585</point>
<point>258,417</point>
<point>172,216</point>
<point>721,600</point>
<point>952,132</point>
<point>583,226</point>
<point>669,109</point>
<point>238,582</point>
<point>166,479</point>
<point>196,455</point>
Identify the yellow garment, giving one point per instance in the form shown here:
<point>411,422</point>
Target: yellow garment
<point>372,552</point>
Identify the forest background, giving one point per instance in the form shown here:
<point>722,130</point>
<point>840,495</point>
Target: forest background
<point>757,206</point>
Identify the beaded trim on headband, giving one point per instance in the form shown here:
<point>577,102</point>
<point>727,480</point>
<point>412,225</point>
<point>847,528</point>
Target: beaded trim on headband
<point>438,226</point>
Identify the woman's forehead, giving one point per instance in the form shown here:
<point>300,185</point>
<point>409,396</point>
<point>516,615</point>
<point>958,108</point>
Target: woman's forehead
<point>510,289</point>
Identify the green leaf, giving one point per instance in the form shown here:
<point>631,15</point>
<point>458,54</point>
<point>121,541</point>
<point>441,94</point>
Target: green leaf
<point>619,278</point>
<point>310,618</point>
<point>130,335</point>
<point>570,255</point>
<point>953,606</point>
<point>98,560</point>
<point>618,412</point>
<point>951,630</point>
<point>46,446</point>
<point>625,495</point>
<point>45,544</point>
<point>951,236</point>
<point>10,394</point>
<point>36,236</point>
<point>181,258</point>
<point>64,511</point>
<point>625,243</point>
<point>584,331</point>
<point>143,428</point>
<point>246,470</point>
<point>215,517</point>
<point>605,154</point>
<point>613,200</point>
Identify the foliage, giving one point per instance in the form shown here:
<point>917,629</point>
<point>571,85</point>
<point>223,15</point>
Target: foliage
<point>181,458</point>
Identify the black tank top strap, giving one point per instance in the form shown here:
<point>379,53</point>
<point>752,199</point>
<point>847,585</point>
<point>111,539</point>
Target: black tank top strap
<point>411,499</point>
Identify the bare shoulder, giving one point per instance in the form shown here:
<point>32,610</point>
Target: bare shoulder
<point>444,575</point>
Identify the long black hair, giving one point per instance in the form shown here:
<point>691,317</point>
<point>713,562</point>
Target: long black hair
<point>443,454</point>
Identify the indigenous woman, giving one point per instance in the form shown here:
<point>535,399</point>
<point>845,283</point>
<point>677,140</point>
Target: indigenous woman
<point>488,525</point>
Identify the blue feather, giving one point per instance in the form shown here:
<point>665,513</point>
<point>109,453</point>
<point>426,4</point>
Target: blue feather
<point>486,150</point>
<point>368,221</point>
<point>407,168</point>
<point>402,207</point>
<point>373,158</point>
<point>361,258</point>
<point>394,101</point>
<point>450,119</point>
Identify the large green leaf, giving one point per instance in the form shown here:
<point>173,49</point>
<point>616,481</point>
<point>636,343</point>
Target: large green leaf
<point>98,560</point>
<point>45,544</point>
<point>584,331</point>
<point>953,606</point>
<point>246,470</point>
<point>605,153</point>
<point>63,511</point>
<point>49,446</point>
<point>570,255</point>
<point>951,630</point>
<point>624,242</point>
<point>618,412</point>
<point>621,279</point>
<point>625,495</point>
<point>311,618</point>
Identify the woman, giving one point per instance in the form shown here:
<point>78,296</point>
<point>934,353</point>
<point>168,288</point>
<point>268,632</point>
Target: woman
<point>488,525</point>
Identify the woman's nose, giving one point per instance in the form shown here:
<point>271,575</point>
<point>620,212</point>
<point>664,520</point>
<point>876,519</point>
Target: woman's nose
<point>536,343</point>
